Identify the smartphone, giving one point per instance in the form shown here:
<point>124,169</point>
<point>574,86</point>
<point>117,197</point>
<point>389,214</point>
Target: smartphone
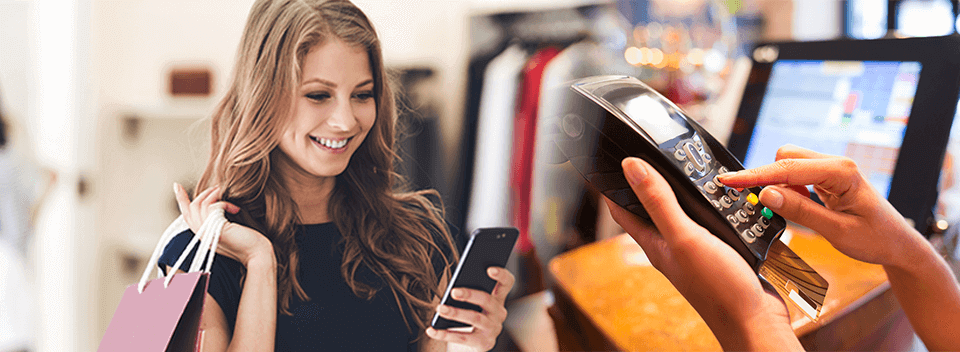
<point>605,119</point>
<point>487,247</point>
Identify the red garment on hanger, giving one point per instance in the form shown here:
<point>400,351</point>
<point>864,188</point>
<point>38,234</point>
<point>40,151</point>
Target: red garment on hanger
<point>525,128</point>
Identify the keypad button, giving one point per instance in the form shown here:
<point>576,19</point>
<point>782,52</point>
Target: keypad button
<point>763,222</point>
<point>726,202</point>
<point>748,236</point>
<point>723,170</point>
<point>750,209</point>
<point>710,187</point>
<point>707,157</point>
<point>733,220</point>
<point>752,198</point>
<point>688,168</point>
<point>733,193</point>
<point>694,156</point>
<point>766,212</point>
<point>716,204</point>
<point>742,215</point>
<point>680,154</point>
<point>716,179</point>
<point>758,229</point>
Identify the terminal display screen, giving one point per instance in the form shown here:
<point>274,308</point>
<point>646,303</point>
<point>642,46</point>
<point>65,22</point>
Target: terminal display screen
<point>657,119</point>
<point>857,109</point>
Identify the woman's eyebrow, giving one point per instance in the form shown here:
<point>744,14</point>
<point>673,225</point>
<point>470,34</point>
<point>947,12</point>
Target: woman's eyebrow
<point>334,85</point>
<point>368,81</point>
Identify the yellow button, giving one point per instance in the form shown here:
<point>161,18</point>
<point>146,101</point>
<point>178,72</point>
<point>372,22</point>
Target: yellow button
<point>752,198</point>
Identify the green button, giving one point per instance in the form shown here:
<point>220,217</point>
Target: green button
<point>767,213</point>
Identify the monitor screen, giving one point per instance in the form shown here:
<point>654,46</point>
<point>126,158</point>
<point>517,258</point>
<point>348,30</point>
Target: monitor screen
<point>858,109</point>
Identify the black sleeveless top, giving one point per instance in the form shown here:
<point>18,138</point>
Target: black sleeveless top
<point>334,318</point>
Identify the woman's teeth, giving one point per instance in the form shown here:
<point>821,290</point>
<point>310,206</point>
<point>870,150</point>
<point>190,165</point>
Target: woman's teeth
<point>332,144</point>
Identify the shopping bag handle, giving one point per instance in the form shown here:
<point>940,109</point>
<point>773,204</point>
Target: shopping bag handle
<point>207,239</point>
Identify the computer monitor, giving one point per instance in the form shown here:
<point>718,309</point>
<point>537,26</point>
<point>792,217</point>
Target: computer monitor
<point>887,104</point>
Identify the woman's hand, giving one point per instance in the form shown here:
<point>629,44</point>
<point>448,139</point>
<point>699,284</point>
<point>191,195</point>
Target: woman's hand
<point>486,324</point>
<point>863,225</point>
<point>236,241</point>
<point>855,219</point>
<point>710,274</point>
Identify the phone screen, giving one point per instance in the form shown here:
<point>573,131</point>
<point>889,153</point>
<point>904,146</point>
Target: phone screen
<point>488,247</point>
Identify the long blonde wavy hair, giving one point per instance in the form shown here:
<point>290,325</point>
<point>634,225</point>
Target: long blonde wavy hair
<point>394,234</point>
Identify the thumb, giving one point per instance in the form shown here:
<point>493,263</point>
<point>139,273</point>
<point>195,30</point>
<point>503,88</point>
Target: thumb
<point>801,209</point>
<point>657,198</point>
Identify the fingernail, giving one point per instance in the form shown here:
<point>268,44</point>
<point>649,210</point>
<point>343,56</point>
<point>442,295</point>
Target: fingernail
<point>457,293</point>
<point>431,332</point>
<point>175,187</point>
<point>443,309</point>
<point>634,173</point>
<point>728,174</point>
<point>493,271</point>
<point>772,198</point>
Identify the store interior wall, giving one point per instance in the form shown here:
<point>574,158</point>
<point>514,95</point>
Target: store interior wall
<point>104,217</point>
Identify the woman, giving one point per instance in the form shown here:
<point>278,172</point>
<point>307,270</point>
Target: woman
<point>320,251</point>
<point>854,219</point>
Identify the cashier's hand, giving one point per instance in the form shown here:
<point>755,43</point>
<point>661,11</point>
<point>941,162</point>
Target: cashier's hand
<point>486,324</point>
<point>855,219</point>
<point>710,274</point>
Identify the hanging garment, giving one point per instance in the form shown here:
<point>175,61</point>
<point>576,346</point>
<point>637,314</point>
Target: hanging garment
<point>525,124</point>
<point>487,42</point>
<point>490,191</point>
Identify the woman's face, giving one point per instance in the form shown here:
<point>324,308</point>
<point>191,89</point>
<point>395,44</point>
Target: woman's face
<point>333,110</point>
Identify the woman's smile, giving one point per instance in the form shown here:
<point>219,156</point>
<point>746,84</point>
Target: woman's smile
<point>333,145</point>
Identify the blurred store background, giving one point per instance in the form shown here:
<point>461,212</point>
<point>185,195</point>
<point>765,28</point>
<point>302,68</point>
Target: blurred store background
<point>104,103</point>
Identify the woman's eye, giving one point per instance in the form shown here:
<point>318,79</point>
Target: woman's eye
<point>318,96</point>
<point>364,96</point>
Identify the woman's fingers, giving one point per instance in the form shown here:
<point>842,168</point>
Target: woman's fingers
<point>203,200</point>
<point>183,199</point>
<point>657,197</point>
<point>476,319</point>
<point>195,212</point>
<point>227,206</point>
<point>472,339</point>
<point>790,151</point>
<point>801,190</point>
<point>802,210</point>
<point>505,281</point>
<point>833,175</point>
<point>492,306</point>
<point>212,197</point>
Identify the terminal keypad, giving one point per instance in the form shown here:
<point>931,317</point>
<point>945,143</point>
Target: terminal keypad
<point>740,207</point>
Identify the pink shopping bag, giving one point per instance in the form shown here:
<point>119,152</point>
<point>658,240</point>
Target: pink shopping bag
<point>160,318</point>
<point>163,314</point>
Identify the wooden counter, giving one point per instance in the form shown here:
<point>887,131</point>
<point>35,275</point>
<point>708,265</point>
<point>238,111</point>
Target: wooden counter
<point>610,296</point>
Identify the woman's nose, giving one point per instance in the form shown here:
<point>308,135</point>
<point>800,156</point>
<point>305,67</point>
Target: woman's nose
<point>343,118</point>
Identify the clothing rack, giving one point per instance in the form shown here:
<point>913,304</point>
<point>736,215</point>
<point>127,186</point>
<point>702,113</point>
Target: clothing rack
<point>501,182</point>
